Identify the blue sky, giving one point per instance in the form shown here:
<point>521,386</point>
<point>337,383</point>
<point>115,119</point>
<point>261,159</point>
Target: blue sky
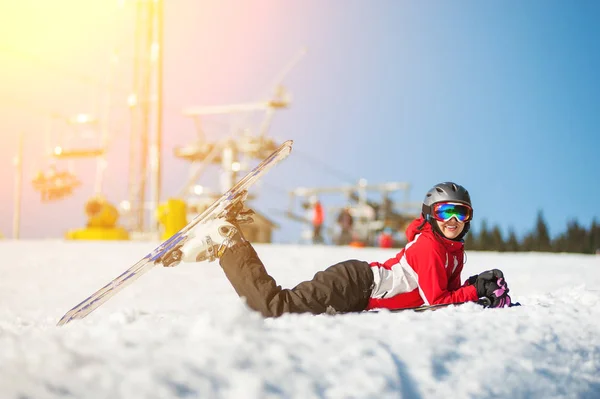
<point>502,97</point>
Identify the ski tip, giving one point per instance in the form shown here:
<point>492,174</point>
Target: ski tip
<point>288,143</point>
<point>66,318</point>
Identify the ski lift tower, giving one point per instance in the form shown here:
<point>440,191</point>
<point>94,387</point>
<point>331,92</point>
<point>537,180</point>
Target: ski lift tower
<point>145,104</point>
<point>229,153</point>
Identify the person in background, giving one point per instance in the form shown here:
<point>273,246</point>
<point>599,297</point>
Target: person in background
<point>385,239</point>
<point>318,218</point>
<point>345,221</point>
<point>427,271</point>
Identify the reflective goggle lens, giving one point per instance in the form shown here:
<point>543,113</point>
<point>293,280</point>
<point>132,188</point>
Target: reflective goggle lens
<point>446,210</point>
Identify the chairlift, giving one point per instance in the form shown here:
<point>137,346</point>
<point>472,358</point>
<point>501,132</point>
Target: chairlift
<point>77,137</point>
<point>54,184</point>
<point>68,139</point>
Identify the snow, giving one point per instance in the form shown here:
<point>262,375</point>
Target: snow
<point>184,333</point>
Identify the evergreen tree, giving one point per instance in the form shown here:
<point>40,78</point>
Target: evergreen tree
<point>496,240</point>
<point>512,244</point>
<point>575,237</point>
<point>560,243</point>
<point>595,237</point>
<point>471,241</point>
<point>484,241</point>
<point>528,243</point>
<point>541,239</point>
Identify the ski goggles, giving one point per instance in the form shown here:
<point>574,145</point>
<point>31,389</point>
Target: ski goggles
<point>444,211</point>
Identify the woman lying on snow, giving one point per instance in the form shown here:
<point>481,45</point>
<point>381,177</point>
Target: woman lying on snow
<point>426,271</point>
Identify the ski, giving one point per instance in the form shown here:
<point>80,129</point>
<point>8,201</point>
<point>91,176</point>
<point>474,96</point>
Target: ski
<point>169,252</point>
<point>424,308</point>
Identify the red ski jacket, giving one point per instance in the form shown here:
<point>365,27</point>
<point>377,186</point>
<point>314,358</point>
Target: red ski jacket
<point>426,271</point>
<point>318,214</point>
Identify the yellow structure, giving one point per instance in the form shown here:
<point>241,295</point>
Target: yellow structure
<point>102,223</point>
<point>172,215</point>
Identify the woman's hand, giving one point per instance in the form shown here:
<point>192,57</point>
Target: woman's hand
<point>491,285</point>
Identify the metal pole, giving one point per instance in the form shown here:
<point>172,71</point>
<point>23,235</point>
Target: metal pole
<point>146,39</point>
<point>157,153</point>
<point>134,125</point>
<point>18,189</point>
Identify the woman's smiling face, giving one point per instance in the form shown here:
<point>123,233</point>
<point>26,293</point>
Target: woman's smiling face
<point>451,228</point>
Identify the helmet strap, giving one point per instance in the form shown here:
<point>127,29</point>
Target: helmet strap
<point>425,219</point>
<point>426,210</point>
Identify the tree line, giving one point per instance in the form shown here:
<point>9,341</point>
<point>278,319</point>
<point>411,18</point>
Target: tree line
<point>576,238</point>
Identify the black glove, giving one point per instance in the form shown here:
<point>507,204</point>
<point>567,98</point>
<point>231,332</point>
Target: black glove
<point>491,285</point>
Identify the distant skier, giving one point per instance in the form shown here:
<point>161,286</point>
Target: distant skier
<point>345,221</point>
<point>385,239</point>
<point>317,219</point>
<point>427,271</point>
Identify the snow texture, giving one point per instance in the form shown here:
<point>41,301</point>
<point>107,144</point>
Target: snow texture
<point>184,333</point>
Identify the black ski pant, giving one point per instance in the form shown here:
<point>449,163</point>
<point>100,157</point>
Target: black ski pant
<point>341,288</point>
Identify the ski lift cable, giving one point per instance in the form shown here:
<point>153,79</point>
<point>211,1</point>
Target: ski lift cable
<point>317,163</point>
<point>273,188</point>
<point>73,75</point>
<point>59,69</point>
<point>270,93</point>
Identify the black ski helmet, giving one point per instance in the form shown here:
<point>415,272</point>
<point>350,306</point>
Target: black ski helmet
<point>446,192</point>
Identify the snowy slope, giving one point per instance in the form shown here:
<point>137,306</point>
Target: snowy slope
<point>183,333</point>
